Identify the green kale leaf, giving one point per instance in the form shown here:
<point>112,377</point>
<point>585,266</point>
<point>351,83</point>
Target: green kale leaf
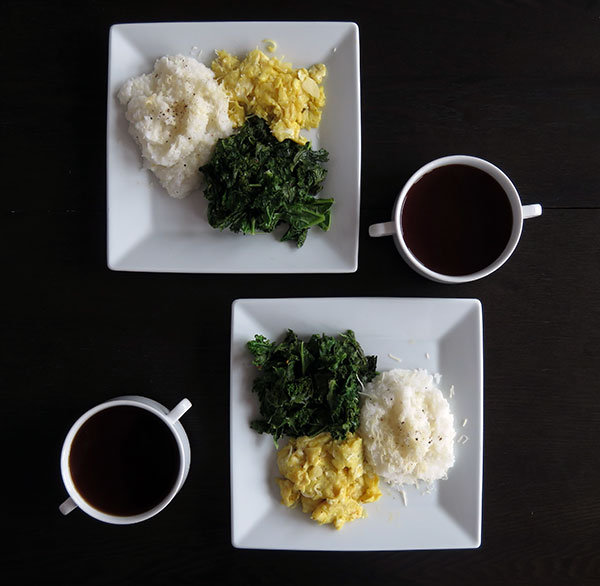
<point>306,388</point>
<point>254,183</point>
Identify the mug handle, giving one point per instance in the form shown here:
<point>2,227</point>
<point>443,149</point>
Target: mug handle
<point>383,229</point>
<point>532,211</point>
<point>178,410</point>
<point>68,506</point>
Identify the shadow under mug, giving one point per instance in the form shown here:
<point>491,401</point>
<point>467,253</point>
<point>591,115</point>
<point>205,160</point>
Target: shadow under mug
<point>169,418</point>
<point>519,211</point>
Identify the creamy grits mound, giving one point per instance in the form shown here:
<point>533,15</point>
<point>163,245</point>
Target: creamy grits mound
<point>176,115</point>
<point>407,427</point>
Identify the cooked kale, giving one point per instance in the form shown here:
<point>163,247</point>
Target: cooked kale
<point>254,183</point>
<point>308,387</point>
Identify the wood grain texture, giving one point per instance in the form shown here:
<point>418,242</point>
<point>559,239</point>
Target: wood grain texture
<point>514,82</point>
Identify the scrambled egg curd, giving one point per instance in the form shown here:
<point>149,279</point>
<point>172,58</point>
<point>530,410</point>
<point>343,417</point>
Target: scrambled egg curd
<point>328,477</point>
<point>270,45</point>
<point>288,99</point>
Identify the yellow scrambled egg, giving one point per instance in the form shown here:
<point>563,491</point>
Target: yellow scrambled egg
<point>270,45</point>
<point>288,99</point>
<point>328,477</point>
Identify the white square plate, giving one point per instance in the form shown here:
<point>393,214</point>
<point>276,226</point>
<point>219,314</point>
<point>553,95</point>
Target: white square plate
<point>441,335</point>
<point>150,231</point>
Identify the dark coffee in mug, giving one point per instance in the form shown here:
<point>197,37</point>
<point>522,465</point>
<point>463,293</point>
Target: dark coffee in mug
<point>124,460</point>
<point>456,220</point>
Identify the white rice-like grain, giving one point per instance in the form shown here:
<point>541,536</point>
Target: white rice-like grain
<point>404,497</point>
<point>176,115</point>
<point>407,427</point>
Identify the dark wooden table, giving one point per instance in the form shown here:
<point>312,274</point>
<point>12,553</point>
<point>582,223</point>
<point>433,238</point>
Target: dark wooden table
<point>517,83</point>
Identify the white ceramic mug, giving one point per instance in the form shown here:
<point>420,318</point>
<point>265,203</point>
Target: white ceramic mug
<point>169,418</point>
<point>519,212</point>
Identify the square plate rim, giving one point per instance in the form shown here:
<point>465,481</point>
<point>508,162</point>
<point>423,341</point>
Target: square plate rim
<point>341,265</point>
<point>475,304</point>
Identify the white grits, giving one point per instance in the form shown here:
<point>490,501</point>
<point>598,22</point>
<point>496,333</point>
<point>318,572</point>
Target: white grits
<point>176,115</point>
<point>407,427</point>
